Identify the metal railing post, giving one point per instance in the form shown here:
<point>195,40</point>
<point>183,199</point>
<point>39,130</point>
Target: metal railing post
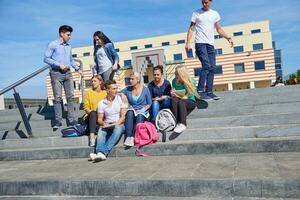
<point>23,113</point>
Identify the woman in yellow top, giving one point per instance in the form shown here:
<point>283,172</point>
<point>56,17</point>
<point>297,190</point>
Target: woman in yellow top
<point>91,100</point>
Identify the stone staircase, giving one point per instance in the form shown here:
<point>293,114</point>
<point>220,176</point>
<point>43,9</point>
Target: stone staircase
<point>245,145</point>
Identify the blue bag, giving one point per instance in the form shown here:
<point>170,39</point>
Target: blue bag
<point>74,131</point>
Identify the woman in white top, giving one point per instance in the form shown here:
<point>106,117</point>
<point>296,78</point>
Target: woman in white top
<point>105,56</point>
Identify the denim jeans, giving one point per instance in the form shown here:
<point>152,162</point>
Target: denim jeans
<point>58,81</point>
<point>207,56</point>
<point>158,105</point>
<point>107,138</point>
<point>131,121</point>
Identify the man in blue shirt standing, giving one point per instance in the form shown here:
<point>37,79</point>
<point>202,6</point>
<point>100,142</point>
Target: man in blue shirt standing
<point>59,56</point>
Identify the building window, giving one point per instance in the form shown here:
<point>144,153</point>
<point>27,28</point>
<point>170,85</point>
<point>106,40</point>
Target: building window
<point>180,41</point>
<point>239,68</point>
<point>127,63</point>
<point>133,48</point>
<point>278,53</point>
<point>127,81</point>
<point>218,51</point>
<point>117,50</point>
<point>238,33</point>
<point>86,54</point>
<point>255,31</point>
<point>74,55</point>
<point>148,46</point>
<point>218,70</point>
<point>178,57</point>
<point>258,46</point>
<point>277,59</point>
<point>146,79</point>
<point>218,36</point>
<point>165,44</point>
<point>238,49</point>
<point>278,66</point>
<point>197,71</point>
<point>260,65</point>
<point>189,53</point>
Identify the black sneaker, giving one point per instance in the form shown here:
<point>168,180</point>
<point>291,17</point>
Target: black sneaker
<point>72,123</point>
<point>213,96</point>
<point>204,96</point>
<point>57,125</point>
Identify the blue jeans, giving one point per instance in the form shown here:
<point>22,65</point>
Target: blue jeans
<point>207,56</point>
<point>131,121</point>
<point>58,81</point>
<point>158,105</point>
<point>107,138</point>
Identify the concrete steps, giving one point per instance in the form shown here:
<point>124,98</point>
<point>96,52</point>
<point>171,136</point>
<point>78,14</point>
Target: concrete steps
<point>60,149</point>
<point>223,176</point>
<point>244,146</point>
<point>39,197</point>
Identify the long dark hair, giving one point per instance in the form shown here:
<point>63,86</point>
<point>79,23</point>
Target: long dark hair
<point>103,37</point>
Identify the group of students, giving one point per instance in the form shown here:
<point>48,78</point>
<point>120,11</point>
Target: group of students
<point>118,112</point>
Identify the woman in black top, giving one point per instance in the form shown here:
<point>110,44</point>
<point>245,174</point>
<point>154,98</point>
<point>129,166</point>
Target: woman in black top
<point>160,90</point>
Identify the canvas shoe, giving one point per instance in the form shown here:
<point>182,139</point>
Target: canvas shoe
<point>204,96</point>
<point>92,142</point>
<point>213,96</point>
<point>56,125</point>
<point>99,157</point>
<point>179,128</point>
<point>129,142</point>
<point>92,156</point>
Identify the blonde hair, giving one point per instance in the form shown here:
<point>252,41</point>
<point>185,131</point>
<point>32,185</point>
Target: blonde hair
<point>181,71</point>
<point>137,75</point>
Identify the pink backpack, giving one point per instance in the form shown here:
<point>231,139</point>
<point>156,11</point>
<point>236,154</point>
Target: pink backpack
<point>145,133</point>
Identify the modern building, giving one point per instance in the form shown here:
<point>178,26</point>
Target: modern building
<point>252,63</point>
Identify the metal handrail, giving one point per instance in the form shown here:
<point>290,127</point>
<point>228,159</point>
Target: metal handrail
<point>12,86</point>
<point>30,76</point>
<point>18,99</point>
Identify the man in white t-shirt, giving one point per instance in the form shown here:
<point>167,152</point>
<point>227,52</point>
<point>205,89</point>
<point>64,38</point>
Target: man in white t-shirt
<point>205,21</point>
<point>111,117</point>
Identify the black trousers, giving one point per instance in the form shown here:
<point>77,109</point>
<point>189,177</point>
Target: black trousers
<point>181,108</point>
<point>91,121</point>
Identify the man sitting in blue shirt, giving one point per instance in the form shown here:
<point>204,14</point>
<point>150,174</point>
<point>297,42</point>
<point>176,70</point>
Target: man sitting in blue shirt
<point>59,56</point>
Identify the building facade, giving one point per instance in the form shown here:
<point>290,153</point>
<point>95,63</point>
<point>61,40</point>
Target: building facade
<point>253,62</point>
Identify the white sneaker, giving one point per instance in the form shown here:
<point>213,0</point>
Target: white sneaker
<point>92,156</point>
<point>99,157</point>
<point>179,128</point>
<point>129,142</point>
<point>92,142</point>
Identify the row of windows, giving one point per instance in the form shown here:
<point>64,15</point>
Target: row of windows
<point>136,47</point>
<point>238,68</point>
<point>240,33</point>
<point>162,44</point>
<point>238,49</point>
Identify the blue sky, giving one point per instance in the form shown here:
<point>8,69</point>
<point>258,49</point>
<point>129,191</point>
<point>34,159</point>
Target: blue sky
<point>27,26</point>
